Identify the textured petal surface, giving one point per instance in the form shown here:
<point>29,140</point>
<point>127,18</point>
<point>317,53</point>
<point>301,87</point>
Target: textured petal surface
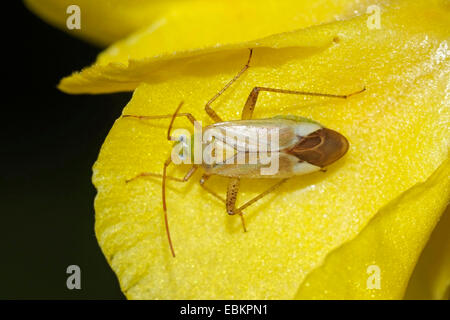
<point>197,27</point>
<point>391,243</point>
<point>170,24</point>
<point>197,24</point>
<point>398,132</point>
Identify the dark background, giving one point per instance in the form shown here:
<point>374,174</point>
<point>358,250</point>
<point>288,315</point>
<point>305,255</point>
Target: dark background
<point>50,142</point>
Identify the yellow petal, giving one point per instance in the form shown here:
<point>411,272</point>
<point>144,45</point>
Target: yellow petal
<point>190,26</point>
<point>398,132</point>
<point>102,21</point>
<point>380,260</point>
<point>197,24</point>
<point>170,25</point>
<point>431,277</point>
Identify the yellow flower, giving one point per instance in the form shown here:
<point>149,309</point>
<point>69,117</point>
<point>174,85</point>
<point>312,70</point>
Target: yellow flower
<point>354,232</point>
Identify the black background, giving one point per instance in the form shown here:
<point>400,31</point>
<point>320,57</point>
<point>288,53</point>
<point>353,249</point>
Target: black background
<point>50,142</point>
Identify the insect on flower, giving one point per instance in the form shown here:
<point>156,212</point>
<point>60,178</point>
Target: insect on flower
<point>303,146</point>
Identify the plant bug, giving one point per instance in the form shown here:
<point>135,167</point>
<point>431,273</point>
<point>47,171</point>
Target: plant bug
<point>305,146</point>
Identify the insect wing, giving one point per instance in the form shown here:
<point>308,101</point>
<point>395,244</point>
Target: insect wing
<point>252,135</point>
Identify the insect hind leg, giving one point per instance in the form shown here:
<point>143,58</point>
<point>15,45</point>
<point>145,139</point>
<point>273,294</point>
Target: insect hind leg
<point>261,195</point>
<point>249,107</point>
<point>203,180</point>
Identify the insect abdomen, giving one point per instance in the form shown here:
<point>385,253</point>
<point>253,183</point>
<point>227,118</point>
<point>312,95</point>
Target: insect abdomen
<point>304,147</point>
<point>320,148</point>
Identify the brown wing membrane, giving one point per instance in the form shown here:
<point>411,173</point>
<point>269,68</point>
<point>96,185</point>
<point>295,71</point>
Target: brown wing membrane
<point>321,147</point>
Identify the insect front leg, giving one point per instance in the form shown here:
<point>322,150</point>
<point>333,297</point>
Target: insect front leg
<point>165,116</point>
<point>159,175</point>
<point>211,113</point>
<point>249,107</point>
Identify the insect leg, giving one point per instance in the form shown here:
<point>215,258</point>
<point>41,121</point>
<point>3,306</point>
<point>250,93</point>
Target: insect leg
<point>158,175</point>
<point>162,116</point>
<point>250,104</point>
<point>258,197</point>
<point>211,113</point>
<point>232,191</point>
<point>203,180</point>
<point>165,116</point>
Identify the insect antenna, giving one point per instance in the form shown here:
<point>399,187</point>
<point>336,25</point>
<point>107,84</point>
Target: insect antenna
<point>164,178</point>
<point>166,221</point>
<point>166,163</point>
